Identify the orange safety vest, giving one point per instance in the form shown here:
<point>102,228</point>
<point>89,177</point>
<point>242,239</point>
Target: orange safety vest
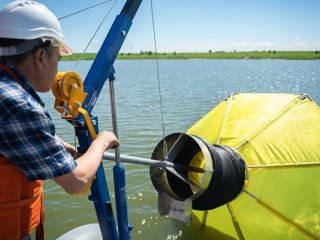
<point>21,203</point>
<point>21,200</point>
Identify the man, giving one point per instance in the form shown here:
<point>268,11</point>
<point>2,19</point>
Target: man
<point>31,42</point>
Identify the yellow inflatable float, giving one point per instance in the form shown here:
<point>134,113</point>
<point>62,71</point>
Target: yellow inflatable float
<point>278,135</point>
<point>260,161</point>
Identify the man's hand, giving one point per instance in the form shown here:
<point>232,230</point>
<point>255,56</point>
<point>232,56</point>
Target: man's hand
<point>108,139</point>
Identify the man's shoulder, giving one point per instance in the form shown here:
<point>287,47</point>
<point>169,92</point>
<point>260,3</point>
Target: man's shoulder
<point>14,99</point>
<point>11,90</point>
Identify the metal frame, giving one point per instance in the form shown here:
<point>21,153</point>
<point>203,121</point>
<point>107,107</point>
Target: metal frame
<point>101,70</point>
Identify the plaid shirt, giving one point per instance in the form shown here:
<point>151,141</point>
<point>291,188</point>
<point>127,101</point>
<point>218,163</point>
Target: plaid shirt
<point>27,134</point>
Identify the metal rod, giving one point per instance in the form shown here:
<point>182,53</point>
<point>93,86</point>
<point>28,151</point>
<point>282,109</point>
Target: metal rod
<point>151,162</point>
<point>136,160</point>
<point>114,118</point>
<point>119,175</point>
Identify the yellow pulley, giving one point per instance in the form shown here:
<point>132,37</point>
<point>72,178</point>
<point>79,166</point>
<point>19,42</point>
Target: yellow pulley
<point>67,87</point>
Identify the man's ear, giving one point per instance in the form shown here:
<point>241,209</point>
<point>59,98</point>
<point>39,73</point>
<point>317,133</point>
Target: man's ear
<point>38,58</point>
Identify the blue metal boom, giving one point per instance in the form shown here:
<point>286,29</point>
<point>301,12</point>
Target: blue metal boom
<point>101,70</point>
<point>102,67</point>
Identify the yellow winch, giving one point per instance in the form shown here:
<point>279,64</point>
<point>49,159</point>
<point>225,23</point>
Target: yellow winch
<point>67,87</point>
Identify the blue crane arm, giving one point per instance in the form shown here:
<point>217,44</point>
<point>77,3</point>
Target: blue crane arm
<point>102,67</point>
<point>101,70</point>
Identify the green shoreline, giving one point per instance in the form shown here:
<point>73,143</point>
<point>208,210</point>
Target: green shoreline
<point>288,55</point>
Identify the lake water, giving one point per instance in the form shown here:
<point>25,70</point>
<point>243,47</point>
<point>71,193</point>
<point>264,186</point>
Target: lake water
<point>189,89</point>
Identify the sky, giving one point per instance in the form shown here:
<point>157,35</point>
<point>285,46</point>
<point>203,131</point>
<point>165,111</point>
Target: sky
<point>196,25</point>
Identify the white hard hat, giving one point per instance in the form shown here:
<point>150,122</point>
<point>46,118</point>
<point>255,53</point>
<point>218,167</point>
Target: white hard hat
<point>30,20</point>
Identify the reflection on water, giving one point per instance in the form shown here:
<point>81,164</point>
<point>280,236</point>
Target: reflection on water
<point>189,88</point>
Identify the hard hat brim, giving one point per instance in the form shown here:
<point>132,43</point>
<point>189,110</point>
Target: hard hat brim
<point>65,50</point>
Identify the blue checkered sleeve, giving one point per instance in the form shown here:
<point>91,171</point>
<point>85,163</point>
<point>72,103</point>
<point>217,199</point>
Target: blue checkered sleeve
<point>28,137</point>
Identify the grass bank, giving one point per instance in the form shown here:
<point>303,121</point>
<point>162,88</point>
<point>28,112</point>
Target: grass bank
<point>289,55</point>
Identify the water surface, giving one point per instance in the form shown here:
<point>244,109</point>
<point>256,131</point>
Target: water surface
<point>189,89</point>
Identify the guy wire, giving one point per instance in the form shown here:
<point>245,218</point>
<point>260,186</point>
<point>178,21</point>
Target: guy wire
<point>95,33</point>
<point>82,10</point>
<point>165,146</point>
